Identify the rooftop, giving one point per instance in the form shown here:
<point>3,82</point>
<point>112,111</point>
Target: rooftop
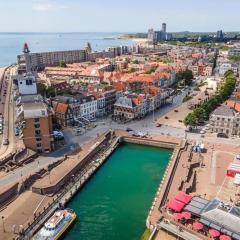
<point>224,110</point>
<point>34,110</point>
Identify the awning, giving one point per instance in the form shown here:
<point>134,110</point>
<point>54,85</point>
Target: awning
<point>236,236</point>
<point>225,231</point>
<point>175,205</point>
<point>215,226</point>
<point>183,197</point>
<point>205,222</point>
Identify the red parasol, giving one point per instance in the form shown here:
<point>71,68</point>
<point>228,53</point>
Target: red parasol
<point>198,226</point>
<point>225,237</point>
<point>177,216</point>
<point>186,215</point>
<point>214,232</point>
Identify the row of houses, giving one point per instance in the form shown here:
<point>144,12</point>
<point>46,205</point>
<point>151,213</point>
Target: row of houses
<point>135,106</point>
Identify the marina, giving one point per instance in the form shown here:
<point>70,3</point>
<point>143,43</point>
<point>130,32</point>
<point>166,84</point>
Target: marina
<point>107,209</point>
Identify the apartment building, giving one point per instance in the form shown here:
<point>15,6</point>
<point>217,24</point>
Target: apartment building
<point>225,66</point>
<point>225,120</point>
<point>35,120</point>
<point>76,107</point>
<point>41,60</point>
<point>234,52</point>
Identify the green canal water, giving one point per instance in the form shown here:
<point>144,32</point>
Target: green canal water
<point>114,204</point>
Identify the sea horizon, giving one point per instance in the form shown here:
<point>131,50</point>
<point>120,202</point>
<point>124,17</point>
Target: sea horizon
<point>11,43</point>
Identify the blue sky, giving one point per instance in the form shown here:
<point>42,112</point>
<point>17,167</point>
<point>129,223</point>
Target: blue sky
<point>118,16</point>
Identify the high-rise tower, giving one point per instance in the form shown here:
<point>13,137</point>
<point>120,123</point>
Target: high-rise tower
<point>164,27</point>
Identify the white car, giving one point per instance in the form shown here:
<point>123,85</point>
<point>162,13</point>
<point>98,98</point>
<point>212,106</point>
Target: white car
<point>202,132</point>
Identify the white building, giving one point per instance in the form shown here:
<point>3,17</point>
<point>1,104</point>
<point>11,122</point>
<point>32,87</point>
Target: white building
<point>26,84</point>
<point>224,67</point>
<point>88,107</point>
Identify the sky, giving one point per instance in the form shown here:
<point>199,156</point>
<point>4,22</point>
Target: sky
<point>118,16</point>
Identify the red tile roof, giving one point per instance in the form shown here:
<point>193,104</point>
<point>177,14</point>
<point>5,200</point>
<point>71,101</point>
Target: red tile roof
<point>61,108</point>
<point>233,104</point>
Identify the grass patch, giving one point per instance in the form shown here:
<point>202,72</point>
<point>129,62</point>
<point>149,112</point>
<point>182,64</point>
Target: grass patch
<point>146,234</point>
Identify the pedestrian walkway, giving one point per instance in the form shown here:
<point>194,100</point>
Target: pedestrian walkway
<point>176,231</point>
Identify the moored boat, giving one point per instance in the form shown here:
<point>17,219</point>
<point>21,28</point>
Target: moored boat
<point>56,225</point>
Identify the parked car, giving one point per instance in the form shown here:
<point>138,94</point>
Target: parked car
<point>222,135</point>
<point>58,135</point>
<point>158,125</point>
<point>5,141</point>
<point>202,132</point>
<point>16,131</point>
<point>129,129</point>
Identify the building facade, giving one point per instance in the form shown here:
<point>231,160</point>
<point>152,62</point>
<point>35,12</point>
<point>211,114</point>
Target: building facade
<point>225,120</point>
<point>35,121</point>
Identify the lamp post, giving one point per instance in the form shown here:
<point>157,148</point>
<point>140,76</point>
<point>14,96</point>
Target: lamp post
<point>3,224</point>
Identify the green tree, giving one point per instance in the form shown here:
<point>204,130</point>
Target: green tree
<point>62,64</point>
<point>203,112</point>
<point>136,62</point>
<point>190,120</point>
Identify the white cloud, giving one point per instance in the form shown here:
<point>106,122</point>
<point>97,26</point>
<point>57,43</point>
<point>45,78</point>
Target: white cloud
<point>44,6</point>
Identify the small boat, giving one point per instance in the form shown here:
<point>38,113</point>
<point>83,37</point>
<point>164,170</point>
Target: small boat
<point>56,225</point>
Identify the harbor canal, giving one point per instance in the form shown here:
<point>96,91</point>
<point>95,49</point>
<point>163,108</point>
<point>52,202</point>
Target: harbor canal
<point>115,202</point>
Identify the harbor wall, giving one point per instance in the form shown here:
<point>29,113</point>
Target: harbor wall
<point>148,142</point>
<point>57,185</point>
<point>8,194</point>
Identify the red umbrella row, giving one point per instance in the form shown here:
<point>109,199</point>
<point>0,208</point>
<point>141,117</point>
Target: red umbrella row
<point>185,215</point>
<point>215,233</point>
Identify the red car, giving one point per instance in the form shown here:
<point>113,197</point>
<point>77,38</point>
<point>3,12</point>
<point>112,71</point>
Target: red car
<point>158,125</point>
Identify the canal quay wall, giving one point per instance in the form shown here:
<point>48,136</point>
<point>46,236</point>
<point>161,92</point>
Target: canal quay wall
<point>149,142</point>
<point>161,195</point>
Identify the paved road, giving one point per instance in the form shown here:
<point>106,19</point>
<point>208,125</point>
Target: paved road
<point>8,132</point>
<point>43,161</point>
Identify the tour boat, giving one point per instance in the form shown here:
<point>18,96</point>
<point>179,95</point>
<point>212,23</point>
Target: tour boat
<point>57,225</point>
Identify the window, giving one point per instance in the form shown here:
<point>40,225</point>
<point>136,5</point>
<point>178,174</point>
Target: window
<point>37,125</point>
<point>38,139</point>
<point>39,145</point>
<point>36,119</point>
<point>37,132</point>
<point>29,82</point>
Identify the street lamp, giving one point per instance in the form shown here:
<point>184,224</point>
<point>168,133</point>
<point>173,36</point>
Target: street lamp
<point>3,224</point>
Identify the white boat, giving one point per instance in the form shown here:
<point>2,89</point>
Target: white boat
<point>56,225</point>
